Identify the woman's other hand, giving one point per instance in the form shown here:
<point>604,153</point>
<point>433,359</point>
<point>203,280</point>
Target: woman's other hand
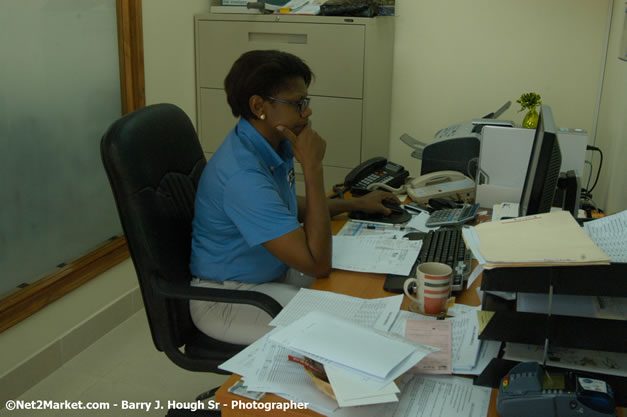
<point>373,202</point>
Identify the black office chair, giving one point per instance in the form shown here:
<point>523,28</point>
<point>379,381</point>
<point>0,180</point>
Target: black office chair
<point>153,160</point>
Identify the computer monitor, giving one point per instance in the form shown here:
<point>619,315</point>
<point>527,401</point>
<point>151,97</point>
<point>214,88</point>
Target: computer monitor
<point>543,169</point>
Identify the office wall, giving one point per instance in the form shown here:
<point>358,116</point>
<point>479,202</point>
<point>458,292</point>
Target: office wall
<point>169,62</point>
<point>459,60</point>
<point>453,61</point>
<point>611,192</point>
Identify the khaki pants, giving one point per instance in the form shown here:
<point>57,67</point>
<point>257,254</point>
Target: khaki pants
<point>243,323</point>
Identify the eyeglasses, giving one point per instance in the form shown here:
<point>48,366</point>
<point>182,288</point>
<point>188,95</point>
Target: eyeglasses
<point>302,105</point>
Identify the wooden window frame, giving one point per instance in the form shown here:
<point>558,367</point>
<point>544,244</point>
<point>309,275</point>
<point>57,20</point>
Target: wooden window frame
<point>27,301</point>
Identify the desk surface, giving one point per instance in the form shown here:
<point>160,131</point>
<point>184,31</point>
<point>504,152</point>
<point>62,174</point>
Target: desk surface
<point>357,284</point>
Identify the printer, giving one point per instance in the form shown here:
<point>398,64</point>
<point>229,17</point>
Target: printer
<point>455,148</point>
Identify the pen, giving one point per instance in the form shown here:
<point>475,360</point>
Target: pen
<point>375,226</point>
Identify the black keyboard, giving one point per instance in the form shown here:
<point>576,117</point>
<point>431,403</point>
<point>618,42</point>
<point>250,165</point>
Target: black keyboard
<point>444,245</point>
<point>447,246</point>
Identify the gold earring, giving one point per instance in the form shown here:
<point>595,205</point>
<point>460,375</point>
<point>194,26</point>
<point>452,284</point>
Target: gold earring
<point>262,117</point>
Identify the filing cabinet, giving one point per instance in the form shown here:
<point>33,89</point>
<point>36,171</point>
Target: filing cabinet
<point>350,95</point>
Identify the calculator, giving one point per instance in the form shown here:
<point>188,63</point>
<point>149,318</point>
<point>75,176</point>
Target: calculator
<point>451,217</point>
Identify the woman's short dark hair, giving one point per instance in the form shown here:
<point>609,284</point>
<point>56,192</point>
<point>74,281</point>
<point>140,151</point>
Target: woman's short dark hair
<point>264,73</point>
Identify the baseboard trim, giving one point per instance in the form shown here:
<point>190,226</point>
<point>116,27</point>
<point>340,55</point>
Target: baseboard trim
<point>38,366</point>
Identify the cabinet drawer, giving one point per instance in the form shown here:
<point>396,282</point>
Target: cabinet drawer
<point>334,52</point>
<point>338,121</point>
<point>215,118</point>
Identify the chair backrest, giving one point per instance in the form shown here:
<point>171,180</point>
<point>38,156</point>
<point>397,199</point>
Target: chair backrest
<point>154,160</point>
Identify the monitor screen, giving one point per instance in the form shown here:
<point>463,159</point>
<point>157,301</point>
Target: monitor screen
<point>543,169</point>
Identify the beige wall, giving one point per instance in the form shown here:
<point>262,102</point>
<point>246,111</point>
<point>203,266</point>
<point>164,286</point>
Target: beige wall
<point>169,61</point>
<point>611,192</point>
<point>455,61</point>
<point>460,60</point>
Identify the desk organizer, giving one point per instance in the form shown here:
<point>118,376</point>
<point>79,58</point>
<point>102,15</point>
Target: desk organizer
<point>509,325</point>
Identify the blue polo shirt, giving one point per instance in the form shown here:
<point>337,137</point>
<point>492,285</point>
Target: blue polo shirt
<point>246,196</point>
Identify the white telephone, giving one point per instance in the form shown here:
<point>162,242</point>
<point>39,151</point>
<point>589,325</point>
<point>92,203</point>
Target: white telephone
<point>441,184</point>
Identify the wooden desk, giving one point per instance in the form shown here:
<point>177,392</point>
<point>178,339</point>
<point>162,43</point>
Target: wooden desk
<point>357,284</point>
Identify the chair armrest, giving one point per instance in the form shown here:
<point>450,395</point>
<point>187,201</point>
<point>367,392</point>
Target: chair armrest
<point>185,291</point>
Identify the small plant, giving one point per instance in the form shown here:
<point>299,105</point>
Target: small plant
<point>529,101</point>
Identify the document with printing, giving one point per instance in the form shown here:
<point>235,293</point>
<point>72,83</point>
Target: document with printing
<point>438,396</point>
<point>355,348</point>
<point>378,313</point>
<point>433,333</point>
<point>610,234</point>
<point>375,254</point>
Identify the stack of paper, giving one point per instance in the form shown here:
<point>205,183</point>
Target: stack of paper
<point>465,353</point>
<point>547,239</point>
<point>358,342</point>
<point>352,355</point>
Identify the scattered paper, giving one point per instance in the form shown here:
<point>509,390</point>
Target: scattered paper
<point>324,337</point>
<point>351,389</point>
<point>488,351</point>
<point>419,221</point>
<point>366,229</point>
<point>484,318</point>
<point>378,313</point>
<point>610,234</point>
<point>400,323</point>
<point>433,333</point>
<point>374,254</point>
<point>437,396</point>
<point>610,363</point>
<point>465,341</point>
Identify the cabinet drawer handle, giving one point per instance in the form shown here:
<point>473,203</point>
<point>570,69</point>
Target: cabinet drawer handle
<point>291,38</point>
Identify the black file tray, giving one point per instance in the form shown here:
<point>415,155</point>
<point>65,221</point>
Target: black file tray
<point>609,280</point>
<point>509,325</point>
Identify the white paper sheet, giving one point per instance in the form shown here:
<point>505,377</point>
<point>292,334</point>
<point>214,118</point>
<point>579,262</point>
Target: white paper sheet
<point>351,389</point>
<point>438,396</point>
<point>610,234</point>
<point>610,363</point>
<point>400,322</point>
<point>321,335</point>
<point>367,229</point>
<point>373,254</point>
<point>488,351</point>
<point>378,313</point>
<point>459,309</point>
<point>465,341</point>
<point>418,222</point>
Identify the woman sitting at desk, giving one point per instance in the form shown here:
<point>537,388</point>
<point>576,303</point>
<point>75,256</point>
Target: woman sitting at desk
<point>247,232</point>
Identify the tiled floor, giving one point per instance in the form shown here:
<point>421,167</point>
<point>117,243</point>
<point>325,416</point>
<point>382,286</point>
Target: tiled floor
<point>122,365</point>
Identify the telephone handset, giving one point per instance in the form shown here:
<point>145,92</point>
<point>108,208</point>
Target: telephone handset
<point>441,184</point>
<point>377,170</point>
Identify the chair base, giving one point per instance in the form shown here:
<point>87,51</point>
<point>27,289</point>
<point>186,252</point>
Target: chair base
<point>208,394</point>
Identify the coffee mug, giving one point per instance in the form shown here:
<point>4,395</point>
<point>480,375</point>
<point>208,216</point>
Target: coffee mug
<point>433,288</point>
